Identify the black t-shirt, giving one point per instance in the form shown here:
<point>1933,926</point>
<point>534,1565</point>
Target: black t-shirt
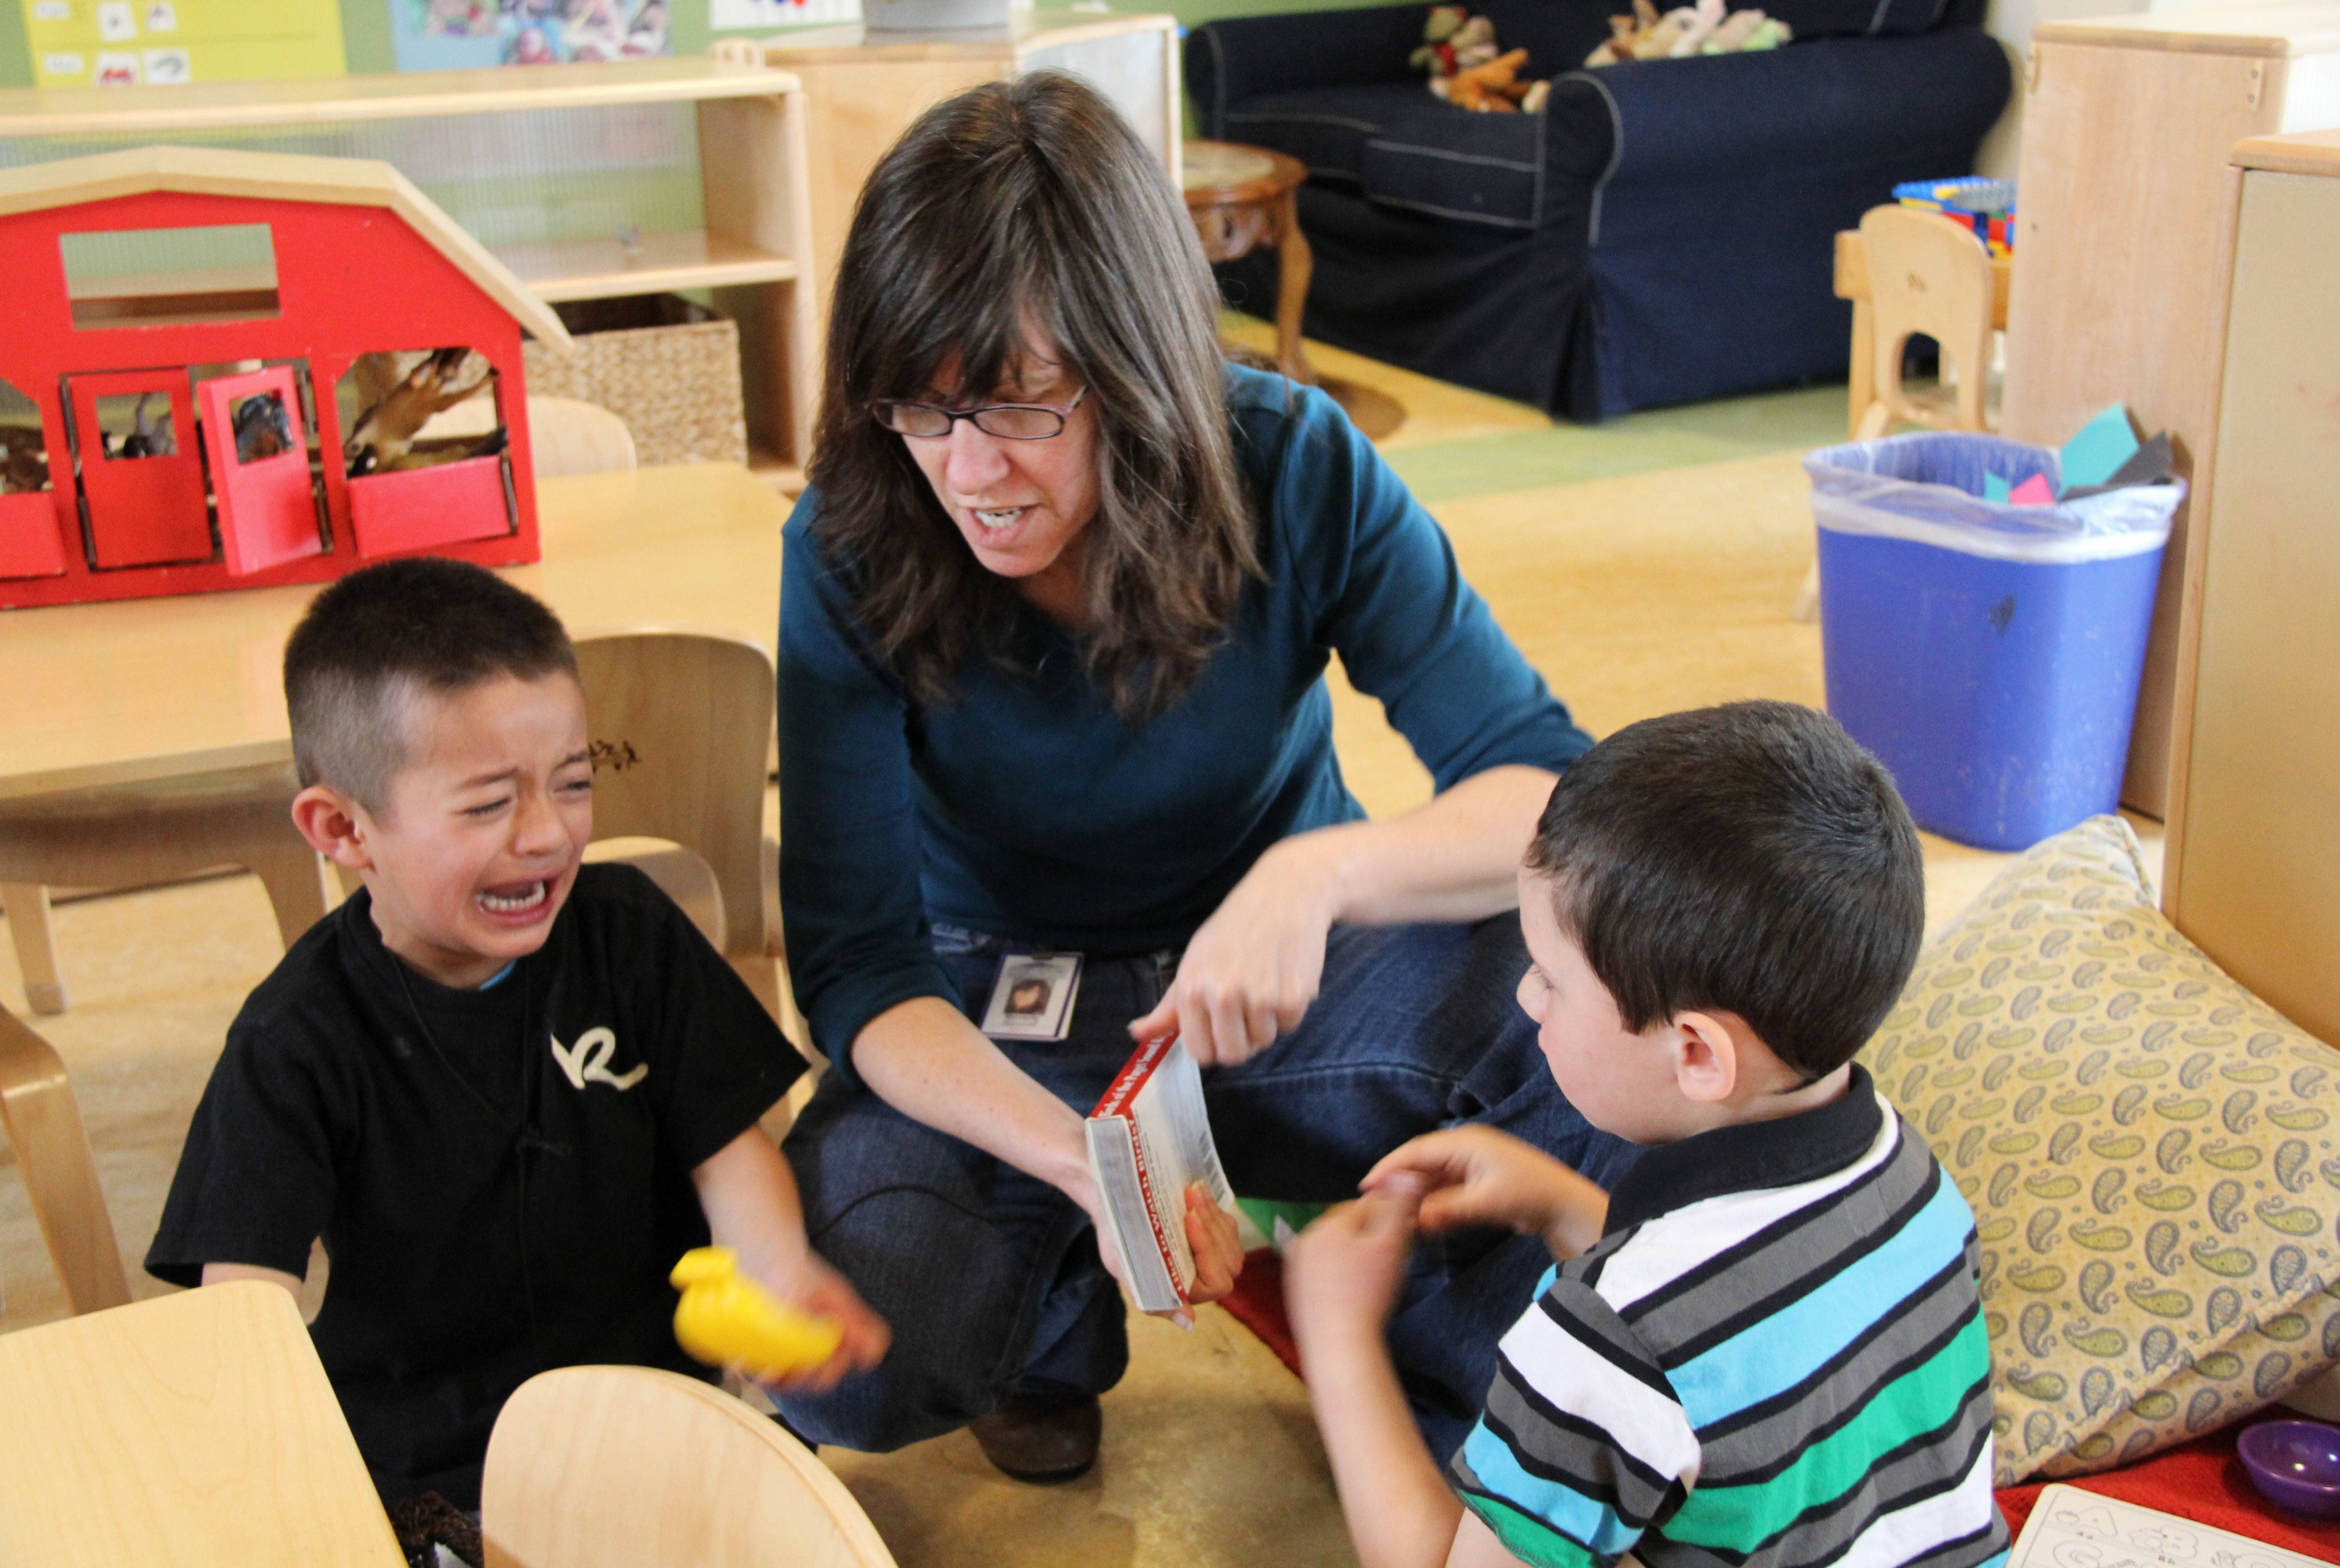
<point>501,1177</point>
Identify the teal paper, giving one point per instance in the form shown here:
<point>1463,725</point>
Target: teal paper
<point>1994,489</point>
<point>2103,445</point>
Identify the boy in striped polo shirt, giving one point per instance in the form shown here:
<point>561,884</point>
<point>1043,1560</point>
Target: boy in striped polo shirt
<point>1766,1347</point>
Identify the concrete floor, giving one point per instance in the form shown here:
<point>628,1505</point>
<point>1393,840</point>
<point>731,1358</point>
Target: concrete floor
<point>1643,567</point>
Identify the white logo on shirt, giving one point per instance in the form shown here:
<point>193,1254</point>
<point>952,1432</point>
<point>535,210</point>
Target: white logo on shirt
<point>601,1045</point>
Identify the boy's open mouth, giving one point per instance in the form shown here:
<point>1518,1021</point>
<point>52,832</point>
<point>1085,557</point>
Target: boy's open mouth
<point>516,900</point>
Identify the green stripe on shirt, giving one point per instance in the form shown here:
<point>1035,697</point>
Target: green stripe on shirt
<point>1923,1400</point>
<point>1528,1538</point>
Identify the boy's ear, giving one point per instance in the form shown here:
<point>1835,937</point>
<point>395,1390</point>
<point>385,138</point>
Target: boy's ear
<point>334,825</point>
<point>1706,1058</point>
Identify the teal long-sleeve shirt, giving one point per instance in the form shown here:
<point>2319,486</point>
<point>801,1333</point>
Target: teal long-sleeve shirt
<point>1028,808</point>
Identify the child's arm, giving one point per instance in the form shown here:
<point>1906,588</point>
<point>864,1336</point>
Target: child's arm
<point>1477,1176</point>
<point>750,1196</point>
<point>220,1273</point>
<point>1342,1278</point>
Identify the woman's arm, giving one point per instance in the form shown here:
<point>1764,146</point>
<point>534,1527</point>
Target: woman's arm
<point>1253,969</point>
<point>924,1058</point>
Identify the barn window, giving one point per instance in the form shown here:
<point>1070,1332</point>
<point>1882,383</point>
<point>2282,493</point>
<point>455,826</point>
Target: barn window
<point>170,277</point>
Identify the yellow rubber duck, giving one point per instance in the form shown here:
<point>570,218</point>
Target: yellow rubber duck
<point>726,1319</point>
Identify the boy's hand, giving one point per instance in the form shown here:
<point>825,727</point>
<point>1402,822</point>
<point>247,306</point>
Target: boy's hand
<point>1344,1272</point>
<point>815,1289</point>
<point>1477,1176</point>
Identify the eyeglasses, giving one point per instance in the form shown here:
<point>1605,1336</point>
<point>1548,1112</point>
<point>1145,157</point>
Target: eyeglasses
<point>1008,421</point>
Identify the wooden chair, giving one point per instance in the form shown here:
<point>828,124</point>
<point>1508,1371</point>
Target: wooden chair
<point>135,835</point>
<point>565,435</point>
<point>1926,275</point>
<point>570,437</point>
<point>52,1148</point>
<point>682,726</point>
<point>620,1466</point>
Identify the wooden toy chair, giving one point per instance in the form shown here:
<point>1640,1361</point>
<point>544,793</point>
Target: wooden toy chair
<point>682,727</point>
<point>617,1466</point>
<point>135,835</point>
<point>1926,275</point>
<point>44,1130</point>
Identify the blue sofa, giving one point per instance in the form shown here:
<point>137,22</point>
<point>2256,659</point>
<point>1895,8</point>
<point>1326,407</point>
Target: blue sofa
<point>1660,235</point>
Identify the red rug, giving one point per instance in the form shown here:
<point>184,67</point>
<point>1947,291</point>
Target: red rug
<point>2203,1480</point>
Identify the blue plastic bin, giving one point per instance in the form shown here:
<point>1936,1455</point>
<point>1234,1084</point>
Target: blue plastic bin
<point>1987,653</point>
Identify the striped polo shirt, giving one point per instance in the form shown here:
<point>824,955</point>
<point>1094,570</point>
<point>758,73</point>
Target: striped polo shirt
<point>1775,1356</point>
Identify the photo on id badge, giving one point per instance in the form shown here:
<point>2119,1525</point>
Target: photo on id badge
<point>1032,996</point>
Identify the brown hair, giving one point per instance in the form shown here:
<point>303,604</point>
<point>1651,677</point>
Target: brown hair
<point>380,637</point>
<point>1029,205</point>
<point>1749,857</point>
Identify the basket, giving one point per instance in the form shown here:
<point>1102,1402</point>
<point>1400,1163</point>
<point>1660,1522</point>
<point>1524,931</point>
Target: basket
<point>668,367</point>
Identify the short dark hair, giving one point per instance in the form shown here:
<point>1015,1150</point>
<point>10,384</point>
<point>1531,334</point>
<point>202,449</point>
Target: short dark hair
<point>384,633</point>
<point>1749,858</point>
<point>1021,204</point>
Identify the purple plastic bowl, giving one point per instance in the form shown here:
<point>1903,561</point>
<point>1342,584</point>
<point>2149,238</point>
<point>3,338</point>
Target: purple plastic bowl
<point>2295,1465</point>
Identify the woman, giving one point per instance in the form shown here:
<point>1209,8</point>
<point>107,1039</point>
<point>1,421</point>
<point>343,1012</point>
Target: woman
<point>1056,613</point>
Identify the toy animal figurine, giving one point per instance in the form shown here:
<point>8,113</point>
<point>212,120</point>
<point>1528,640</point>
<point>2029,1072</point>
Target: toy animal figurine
<point>726,1319</point>
<point>23,463</point>
<point>383,434</point>
<point>262,429</point>
<point>148,438</point>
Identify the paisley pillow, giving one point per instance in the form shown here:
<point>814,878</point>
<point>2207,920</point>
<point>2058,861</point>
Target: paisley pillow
<point>2151,1152</point>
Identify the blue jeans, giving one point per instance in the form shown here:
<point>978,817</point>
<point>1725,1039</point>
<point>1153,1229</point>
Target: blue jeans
<point>990,1278</point>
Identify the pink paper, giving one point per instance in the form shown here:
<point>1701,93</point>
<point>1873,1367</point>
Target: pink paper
<point>2034,492</point>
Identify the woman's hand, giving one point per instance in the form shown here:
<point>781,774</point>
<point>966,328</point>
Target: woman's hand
<point>1252,970</point>
<point>1211,1236</point>
<point>1217,1247</point>
<point>1477,1176</point>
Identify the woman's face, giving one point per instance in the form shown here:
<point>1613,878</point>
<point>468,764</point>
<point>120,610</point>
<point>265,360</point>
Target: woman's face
<point>1020,504</point>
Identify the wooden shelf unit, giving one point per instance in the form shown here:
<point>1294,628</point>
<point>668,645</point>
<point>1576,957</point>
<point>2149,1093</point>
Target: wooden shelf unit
<point>753,172</point>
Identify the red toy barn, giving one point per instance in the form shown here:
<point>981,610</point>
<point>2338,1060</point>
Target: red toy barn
<point>190,434</point>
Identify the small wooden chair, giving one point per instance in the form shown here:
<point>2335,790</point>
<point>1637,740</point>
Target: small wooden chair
<point>682,726</point>
<point>52,1148</point>
<point>1926,275</point>
<point>135,835</point>
<point>620,1466</point>
<point>565,435</point>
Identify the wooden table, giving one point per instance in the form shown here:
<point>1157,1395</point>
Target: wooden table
<point>148,689</point>
<point>191,1429</point>
<point>1852,284</point>
<point>1245,197</point>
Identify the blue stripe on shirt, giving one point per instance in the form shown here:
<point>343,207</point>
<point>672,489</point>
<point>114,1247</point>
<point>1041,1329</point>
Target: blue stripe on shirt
<point>1773,1356</point>
<point>1556,1504</point>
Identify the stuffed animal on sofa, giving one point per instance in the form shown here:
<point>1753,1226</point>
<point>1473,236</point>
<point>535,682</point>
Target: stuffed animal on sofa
<point>1453,41</point>
<point>1468,70</point>
<point>1705,28</point>
<point>1494,87</point>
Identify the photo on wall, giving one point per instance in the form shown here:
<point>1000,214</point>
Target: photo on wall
<point>466,34</point>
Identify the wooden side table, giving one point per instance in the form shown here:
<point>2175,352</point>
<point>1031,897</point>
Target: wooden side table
<point>1242,198</point>
<point>1245,197</point>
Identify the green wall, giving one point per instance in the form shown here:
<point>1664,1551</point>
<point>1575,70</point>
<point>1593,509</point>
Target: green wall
<point>15,57</point>
<point>366,27</point>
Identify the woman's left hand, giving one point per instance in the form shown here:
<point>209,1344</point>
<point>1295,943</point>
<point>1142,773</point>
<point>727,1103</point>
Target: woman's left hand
<point>1252,970</point>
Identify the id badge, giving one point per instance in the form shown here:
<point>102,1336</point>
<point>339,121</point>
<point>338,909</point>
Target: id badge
<point>1032,996</point>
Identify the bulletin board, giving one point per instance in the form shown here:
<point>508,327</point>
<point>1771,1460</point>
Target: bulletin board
<point>126,42</point>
